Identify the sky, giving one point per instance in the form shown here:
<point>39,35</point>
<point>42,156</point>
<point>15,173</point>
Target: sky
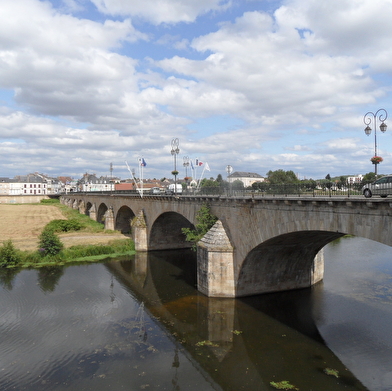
<point>260,85</point>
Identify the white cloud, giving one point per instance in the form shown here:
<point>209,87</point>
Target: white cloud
<point>162,11</point>
<point>298,148</point>
<point>355,28</point>
<point>89,90</point>
<point>269,71</point>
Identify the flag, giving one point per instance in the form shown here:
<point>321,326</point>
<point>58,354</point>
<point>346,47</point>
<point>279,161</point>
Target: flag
<point>192,165</point>
<point>207,167</point>
<point>198,162</point>
<point>143,162</point>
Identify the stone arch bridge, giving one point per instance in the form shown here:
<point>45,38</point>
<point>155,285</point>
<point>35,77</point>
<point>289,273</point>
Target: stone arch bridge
<point>258,245</point>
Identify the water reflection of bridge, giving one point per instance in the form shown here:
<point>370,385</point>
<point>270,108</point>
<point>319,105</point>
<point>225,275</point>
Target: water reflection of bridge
<point>242,349</point>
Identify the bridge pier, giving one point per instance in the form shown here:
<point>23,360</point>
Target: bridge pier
<point>93,213</point>
<point>82,208</point>
<point>215,263</point>
<point>317,271</point>
<point>139,232</point>
<point>109,219</point>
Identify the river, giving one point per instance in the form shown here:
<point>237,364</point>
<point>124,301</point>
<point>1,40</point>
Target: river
<point>140,324</point>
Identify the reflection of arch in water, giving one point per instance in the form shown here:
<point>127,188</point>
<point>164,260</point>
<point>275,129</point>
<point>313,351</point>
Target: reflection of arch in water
<point>245,360</point>
<point>285,352</point>
<point>166,232</point>
<point>293,308</point>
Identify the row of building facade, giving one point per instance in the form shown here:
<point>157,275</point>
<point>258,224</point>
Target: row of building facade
<point>40,184</point>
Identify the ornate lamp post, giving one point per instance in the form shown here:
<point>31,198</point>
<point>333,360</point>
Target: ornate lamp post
<point>175,151</point>
<point>368,119</point>
<point>186,165</point>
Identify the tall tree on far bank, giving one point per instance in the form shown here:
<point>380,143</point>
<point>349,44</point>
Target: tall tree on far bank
<point>281,177</point>
<point>369,177</point>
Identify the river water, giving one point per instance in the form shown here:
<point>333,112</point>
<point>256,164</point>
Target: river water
<point>140,324</point>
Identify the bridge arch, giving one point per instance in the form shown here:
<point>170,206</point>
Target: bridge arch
<point>123,219</point>
<point>101,213</point>
<point>284,262</point>
<point>166,232</point>
<point>89,205</point>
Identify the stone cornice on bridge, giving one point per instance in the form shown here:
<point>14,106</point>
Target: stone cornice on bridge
<point>275,242</point>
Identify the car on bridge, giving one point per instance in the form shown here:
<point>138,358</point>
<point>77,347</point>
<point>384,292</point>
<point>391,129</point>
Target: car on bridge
<point>381,187</point>
<point>174,189</point>
<point>155,190</point>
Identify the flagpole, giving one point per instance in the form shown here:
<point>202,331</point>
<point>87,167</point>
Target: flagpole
<point>193,171</point>
<point>133,176</point>
<point>201,176</point>
<point>141,165</point>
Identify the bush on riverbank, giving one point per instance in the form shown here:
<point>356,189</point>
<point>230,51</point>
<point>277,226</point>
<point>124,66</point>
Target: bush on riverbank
<point>81,253</point>
<point>49,242</point>
<point>9,255</point>
<point>64,225</point>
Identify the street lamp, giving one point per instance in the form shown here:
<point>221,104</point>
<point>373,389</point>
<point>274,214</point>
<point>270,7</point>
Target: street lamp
<point>186,165</point>
<point>175,151</point>
<point>229,170</point>
<point>367,119</point>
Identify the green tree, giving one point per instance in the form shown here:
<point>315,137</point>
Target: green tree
<point>9,255</point>
<point>281,177</point>
<point>219,178</point>
<point>237,185</point>
<point>309,184</point>
<point>369,177</point>
<point>262,186</point>
<point>342,181</point>
<point>49,243</point>
<point>209,183</point>
<point>205,220</point>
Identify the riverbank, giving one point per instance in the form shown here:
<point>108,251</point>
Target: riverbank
<point>22,224</point>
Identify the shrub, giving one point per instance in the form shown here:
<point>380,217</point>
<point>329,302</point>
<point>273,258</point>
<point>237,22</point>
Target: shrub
<point>9,255</point>
<point>64,225</point>
<point>49,243</point>
<point>205,220</point>
<point>116,246</point>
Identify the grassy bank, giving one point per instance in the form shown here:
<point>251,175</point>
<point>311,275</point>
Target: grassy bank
<point>86,224</point>
<point>52,252</point>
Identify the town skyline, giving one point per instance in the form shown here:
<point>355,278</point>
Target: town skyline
<point>258,85</point>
